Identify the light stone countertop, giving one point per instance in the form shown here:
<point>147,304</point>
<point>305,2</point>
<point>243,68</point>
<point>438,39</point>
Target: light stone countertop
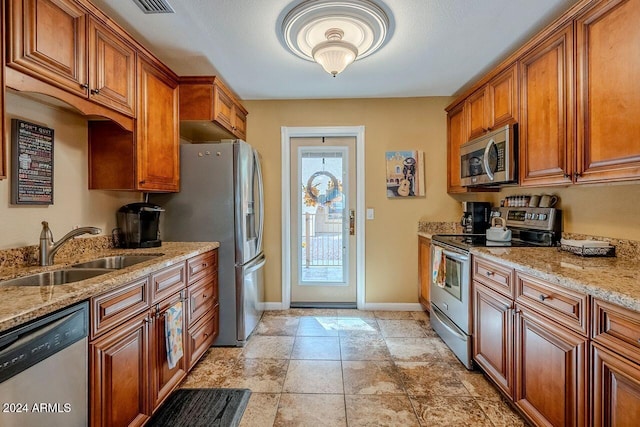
<point>20,304</point>
<point>615,279</point>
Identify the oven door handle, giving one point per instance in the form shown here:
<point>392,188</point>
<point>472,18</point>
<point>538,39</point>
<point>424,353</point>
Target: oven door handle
<point>447,324</point>
<point>456,256</point>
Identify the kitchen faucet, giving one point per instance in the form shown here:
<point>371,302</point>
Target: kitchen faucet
<point>48,247</point>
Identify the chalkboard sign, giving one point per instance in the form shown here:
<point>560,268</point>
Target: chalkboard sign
<point>32,163</point>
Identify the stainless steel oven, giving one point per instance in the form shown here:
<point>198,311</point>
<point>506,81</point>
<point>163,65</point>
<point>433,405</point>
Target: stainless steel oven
<point>450,299</point>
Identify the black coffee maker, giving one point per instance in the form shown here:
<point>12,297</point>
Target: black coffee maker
<point>476,217</point>
<point>138,225</point>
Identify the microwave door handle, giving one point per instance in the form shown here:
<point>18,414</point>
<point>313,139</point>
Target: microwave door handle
<point>485,159</point>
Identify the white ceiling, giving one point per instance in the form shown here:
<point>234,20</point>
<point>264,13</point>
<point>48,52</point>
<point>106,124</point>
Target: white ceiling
<point>436,48</point>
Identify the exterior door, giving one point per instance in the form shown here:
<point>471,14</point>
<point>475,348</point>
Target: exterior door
<point>323,200</point>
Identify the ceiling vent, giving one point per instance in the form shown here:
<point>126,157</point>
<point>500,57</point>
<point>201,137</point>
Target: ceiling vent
<point>154,6</point>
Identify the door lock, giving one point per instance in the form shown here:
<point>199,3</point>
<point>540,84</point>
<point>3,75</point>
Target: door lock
<point>352,222</point>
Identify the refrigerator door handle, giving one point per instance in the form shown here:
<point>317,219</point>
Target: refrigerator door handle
<point>261,204</point>
<point>255,265</point>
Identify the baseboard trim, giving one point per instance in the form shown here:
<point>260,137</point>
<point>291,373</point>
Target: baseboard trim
<point>272,306</point>
<point>392,306</point>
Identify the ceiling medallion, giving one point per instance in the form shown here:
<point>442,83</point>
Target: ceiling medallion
<point>335,33</point>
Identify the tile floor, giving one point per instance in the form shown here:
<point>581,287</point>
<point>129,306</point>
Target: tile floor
<point>312,367</point>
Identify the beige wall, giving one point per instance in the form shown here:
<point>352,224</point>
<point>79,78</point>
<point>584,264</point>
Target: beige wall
<point>390,124</point>
<point>73,204</point>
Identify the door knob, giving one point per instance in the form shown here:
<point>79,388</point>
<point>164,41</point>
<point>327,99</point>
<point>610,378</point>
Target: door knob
<point>352,222</point>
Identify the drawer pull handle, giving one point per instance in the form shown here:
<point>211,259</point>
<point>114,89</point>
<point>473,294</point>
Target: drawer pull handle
<point>206,335</point>
<point>543,297</point>
<point>204,296</point>
<point>490,273</point>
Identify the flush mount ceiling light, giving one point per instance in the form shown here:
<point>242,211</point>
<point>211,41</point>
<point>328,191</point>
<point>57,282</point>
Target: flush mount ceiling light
<point>335,33</point>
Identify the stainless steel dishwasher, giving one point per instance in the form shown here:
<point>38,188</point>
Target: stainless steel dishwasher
<point>44,372</point>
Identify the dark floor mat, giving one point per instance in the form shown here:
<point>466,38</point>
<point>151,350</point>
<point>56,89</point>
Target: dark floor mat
<point>202,407</point>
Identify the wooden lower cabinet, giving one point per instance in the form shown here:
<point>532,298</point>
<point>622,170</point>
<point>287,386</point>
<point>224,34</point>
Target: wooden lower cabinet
<point>550,371</point>
<point>493,335</point>
<point>424,271</point>
<point>615,389</point>
<point>201,335</point>
<point>119,375</point>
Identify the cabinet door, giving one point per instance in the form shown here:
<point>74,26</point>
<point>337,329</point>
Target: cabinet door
<point>456,136</point>
<point>164,379</point>
<point>48,41</point>
<point>493,335</point>
<point>503,98</point>
<point>616,389</point>
<point>223,108</point>
<point>157,133</point>
<point>546,111</point>
<point>3,151</point>
<point>477,112</point>
<point>119,375</point>
<point>608,55</point>
<point>240,122</point>
<point>201,335</point>
<point>550,371</point>
<point>424,271</point>
<point>112,69</point>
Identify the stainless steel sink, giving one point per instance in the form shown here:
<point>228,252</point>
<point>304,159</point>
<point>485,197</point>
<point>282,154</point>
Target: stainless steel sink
<point>116,262</point>
<point>56,277</point>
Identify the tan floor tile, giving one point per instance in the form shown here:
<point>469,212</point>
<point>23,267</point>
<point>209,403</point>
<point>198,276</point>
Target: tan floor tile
<point>363,314</point>
<point>210,372</point>
<point>500,413</point>
<point>420,315</point>
<point>400,328</point>
<point>316,348</point>
<point>258,375</point>
<point>273,325</point>
<point>371,377</point>
<point>357,326</point>
<point>430,379</point>
<point>394,315</point>
<point>312,326</point>
<point>223,353</point>
<point>479,386</point>
<point>267,347</point>
<point>414,349</point>
<point>314,376</point>
<point>380,411</point>
<point>449,411</point>
<point>261,410</point>
<point>363,348</point>
<point>307,410</point>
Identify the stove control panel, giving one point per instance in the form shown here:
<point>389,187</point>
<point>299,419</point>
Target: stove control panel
<point>546,219</point>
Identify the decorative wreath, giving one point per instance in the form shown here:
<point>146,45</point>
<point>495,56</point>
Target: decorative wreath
<point>311,192</point>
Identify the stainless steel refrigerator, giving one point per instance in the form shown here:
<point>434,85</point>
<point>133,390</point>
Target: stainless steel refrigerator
<point>220,199</point>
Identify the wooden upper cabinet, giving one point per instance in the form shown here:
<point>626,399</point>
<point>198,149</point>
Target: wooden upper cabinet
<point>112,69</point>
<point>608,94</point>
<point>546,111</point>
<point>209,110</point>
<point>477,113</point>
<point>157,130</point>
<point>456,136</point>
<point>502,93</point>
<point>48,42</point>
<point>3,151</point>
<point>58,42</point>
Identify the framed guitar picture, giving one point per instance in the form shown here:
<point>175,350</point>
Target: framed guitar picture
<point>405,174</point>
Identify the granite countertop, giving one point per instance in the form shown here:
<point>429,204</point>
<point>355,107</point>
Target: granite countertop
<point>615,279</point>
<point>19,304</point>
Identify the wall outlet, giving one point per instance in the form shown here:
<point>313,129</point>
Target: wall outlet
<point>370,213</point>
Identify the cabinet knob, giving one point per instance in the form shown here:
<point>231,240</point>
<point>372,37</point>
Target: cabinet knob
<point>490,273</point>
<point>566,175</point>
<point>84,86</point>
<point>576,175</point>
<point>543,297</point>
<point>95,91</point>
<point>143,182</point>
<point>204,296</point>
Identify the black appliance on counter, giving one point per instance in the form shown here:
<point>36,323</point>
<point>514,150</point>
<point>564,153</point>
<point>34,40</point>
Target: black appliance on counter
<point>139,225</point>
<point>451,298</point>
<point>475,217</point>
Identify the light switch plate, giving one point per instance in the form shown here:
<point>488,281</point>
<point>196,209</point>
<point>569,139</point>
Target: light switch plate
<point>370,213</point>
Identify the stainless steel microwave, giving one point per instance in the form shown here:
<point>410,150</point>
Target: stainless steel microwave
<point>490,159</point>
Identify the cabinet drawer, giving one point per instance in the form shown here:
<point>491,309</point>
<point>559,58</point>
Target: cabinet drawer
<point>201,336</point>
<point>202,296</point>
<point>118,305</point>
<point>617,328</point>
<point>564,306</point>
<point>167,282</point>
<point>495,276</point>
<point>201,265</point>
